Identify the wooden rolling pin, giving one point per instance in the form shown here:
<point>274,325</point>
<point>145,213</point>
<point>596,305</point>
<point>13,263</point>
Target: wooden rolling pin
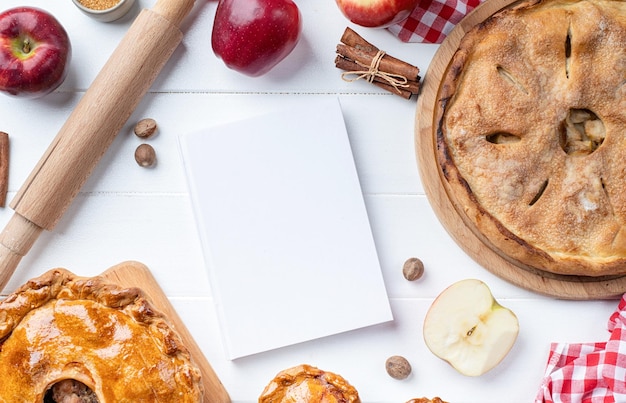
<point>89,130</point>
<point>91,127</point>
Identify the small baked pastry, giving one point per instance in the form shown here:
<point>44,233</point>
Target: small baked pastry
<point>305,383</point>
<point>531,135</point>
<point>63,336</point>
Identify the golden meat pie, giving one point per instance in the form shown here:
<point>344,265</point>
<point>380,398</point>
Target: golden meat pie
<point>65,336</point>
<point>305,383</point>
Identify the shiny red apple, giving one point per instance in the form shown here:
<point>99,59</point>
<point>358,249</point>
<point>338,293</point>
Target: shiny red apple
<point>376,13</point>
<point>253,36</point>
<point>34,52</point>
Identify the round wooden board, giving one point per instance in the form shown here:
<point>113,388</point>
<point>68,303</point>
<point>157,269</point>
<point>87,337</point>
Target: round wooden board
<point>565,287</point>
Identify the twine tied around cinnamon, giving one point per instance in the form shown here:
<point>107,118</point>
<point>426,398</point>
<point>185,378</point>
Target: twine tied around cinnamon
<point>395,80</point>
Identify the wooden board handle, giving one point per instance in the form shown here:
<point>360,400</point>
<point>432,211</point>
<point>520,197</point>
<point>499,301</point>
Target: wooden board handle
<point>91,128</point>
<point>136,274</point>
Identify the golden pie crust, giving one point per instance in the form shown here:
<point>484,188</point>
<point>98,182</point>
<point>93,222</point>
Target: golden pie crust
<point>305,383</point>
<point>531,135</point>
<point>60,326</point>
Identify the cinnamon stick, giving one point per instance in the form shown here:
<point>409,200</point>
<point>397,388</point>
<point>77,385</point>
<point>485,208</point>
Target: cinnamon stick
<point>396,66</point>
<point>388,63</point>
<point>390,88</point>
<point>355,54</point>
<point>351,38</point>
<point>406,90</point>
<point>4,167</point>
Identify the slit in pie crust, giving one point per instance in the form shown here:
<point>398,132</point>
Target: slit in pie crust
<point>531,135</point>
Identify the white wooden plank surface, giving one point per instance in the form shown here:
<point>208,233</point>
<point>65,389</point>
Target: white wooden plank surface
<point>125,212</point>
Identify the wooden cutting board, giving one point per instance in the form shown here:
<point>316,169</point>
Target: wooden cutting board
<point>560,286</point>
<point>135,274</point>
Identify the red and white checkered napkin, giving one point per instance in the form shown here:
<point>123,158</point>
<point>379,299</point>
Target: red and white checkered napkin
<point>588,372</point>
<point>432,20</point>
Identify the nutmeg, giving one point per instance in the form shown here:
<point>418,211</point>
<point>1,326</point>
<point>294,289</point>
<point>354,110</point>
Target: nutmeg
<point>145,128</point>
<point>413,269</point>
<point>398,367</point>
<point>145,155</point>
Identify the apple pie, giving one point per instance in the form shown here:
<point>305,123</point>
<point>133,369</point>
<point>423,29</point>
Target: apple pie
<point>66,338</point>
<point>531,135</point>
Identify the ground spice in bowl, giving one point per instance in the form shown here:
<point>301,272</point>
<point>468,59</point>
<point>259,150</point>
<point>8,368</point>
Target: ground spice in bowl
<point>104,10</point>
<point>99,4</point>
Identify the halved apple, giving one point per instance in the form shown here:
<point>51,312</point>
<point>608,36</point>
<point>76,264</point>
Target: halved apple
<point>469,329</point>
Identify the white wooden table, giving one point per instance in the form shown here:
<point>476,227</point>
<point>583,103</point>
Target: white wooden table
<point>127,212</point>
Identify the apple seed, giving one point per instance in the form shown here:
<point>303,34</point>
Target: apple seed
<point>398,367</point>
<point>413,269</point>
<point>145,128</point>
<point>145,155</point>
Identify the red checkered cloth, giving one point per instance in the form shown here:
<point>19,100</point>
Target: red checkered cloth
<point>432,20</point>
<point>588,372</point>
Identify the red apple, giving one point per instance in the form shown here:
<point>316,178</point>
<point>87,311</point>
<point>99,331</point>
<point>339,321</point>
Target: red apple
<point>34,52</point>
<point>376,13</point>
<point>253,36</point>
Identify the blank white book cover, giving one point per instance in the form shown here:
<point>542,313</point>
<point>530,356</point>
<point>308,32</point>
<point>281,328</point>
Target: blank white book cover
<point>284,228</point>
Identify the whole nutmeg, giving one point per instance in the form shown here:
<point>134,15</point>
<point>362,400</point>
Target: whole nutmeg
<point>145,128</point>
<point>413,269</point>
<point>398,367</point>
<point>145,155</point>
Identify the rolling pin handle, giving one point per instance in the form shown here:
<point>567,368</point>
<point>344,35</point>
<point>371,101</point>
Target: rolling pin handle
<point>16,239</point>
<point>173,10</point>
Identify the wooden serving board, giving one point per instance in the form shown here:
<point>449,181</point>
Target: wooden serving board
<point>135,274</point>
<point>560,286</point>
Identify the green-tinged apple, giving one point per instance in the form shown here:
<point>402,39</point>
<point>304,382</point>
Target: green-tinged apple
<point>34,52</point>
<point>469,329</point>
<point>253,36</point>
<point>376,13</point>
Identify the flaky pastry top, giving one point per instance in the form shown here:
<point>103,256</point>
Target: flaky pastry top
<point>305,383</point>
<point>532,134</point>
<point>60,326</point>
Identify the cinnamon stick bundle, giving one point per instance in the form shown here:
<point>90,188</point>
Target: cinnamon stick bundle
<point>361,60</point>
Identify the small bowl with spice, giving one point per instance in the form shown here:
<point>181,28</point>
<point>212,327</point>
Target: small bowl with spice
<point>104,10</point>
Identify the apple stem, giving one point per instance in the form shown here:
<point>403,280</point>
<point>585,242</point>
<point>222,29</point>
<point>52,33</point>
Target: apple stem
<point>26,46</point>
